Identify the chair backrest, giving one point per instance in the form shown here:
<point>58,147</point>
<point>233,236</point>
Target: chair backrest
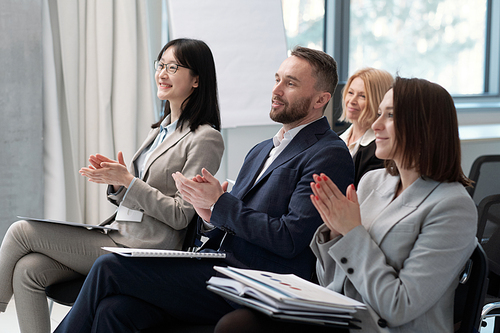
<point>489,233</point>
<point>485,172</point>
<point>470,293</point>
<point>488,224</point>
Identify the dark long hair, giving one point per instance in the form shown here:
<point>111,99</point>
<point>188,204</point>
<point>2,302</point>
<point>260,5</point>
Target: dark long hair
<point>426,129</point>
<point>202,106</point>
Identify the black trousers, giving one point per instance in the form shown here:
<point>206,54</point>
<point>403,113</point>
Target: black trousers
<point>124,294</point>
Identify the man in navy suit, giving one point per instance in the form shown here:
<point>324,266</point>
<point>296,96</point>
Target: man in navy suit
<point>265,223</point>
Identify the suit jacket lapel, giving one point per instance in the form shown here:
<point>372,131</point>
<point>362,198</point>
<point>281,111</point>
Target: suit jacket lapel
<point>384,212</point>
<point>303,140</point>
<point>149,139</point>
<point>169,142</point>
<point>258,163</point>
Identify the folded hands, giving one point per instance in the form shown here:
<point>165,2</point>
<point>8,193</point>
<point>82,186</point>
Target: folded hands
<point>340,213</point>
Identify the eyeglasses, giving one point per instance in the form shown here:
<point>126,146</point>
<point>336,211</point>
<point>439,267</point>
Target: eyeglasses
<point>170,68</point>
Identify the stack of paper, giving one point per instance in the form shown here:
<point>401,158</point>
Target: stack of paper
<point>286,296</point>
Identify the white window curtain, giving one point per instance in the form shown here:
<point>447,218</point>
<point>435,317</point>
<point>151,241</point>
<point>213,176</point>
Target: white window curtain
<point>98,96</point>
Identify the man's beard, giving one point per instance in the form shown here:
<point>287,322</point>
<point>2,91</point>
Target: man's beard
<point>291,112</point>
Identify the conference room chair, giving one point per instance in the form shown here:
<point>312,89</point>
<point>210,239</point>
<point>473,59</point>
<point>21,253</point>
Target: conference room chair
<point>470,293</point>
<point>489,235</point>
<point>485,172</point>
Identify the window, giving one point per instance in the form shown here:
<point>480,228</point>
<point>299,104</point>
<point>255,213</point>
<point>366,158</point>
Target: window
<point>304,23</point>
<point>443,41</point>
<point>455,43</point>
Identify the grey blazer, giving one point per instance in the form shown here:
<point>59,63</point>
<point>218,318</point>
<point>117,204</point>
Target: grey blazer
<point>166,214</point>
<point>404,261</point>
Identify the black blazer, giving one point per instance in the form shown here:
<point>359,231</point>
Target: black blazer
<point>365,160</point>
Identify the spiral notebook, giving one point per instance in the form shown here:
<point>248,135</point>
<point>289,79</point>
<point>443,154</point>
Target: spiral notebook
<point>131,252</point>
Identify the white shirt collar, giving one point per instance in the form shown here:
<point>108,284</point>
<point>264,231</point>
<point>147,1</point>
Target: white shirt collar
<point>169,127</point>
<point>289,135</point>
<point>365,140</point>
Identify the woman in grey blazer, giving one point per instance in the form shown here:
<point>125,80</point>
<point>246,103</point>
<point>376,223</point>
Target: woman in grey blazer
<point>400,242</point>
<point>150,214</point>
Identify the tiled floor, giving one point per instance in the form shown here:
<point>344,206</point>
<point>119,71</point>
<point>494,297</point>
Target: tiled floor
<point>8,320</point>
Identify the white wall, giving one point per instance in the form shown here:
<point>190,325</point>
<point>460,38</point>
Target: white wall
<point>483,142</point>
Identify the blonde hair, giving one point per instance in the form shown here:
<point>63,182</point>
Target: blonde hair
<point>377,83</point>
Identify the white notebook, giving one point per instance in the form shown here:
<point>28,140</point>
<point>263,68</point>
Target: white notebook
<point>131,252</point>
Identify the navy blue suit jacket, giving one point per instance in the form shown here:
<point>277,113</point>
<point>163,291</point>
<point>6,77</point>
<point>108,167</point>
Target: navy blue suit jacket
<point>270,224</point>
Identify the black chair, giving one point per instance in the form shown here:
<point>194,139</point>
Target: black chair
<point>488,219</point>
<point>470,293</point>
<point>489,234</point>
<point>65,293</point>
<point>485,172</point>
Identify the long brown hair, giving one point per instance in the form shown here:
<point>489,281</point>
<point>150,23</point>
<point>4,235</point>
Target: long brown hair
<point>426,129</point>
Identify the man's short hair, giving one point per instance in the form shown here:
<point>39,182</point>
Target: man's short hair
<point>324,68</point>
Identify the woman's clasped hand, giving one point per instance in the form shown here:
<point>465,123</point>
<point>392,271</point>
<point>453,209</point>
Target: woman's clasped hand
<point>340,213</point>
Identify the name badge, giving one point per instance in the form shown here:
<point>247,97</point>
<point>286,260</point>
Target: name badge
<point>124,214</point>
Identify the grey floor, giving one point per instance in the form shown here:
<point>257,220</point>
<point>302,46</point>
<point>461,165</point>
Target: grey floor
<point>8,320</point>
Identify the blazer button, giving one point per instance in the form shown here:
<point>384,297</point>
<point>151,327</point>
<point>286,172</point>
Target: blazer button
<point>343,260</point>
<point>350,271</point>
<point>382,323</point>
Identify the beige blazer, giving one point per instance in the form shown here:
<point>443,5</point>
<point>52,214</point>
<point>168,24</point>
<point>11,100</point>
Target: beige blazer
<point>166,214</point>
<point>405,260</point>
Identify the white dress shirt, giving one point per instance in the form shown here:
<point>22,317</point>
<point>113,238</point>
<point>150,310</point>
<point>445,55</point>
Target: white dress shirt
<point>281,141</point>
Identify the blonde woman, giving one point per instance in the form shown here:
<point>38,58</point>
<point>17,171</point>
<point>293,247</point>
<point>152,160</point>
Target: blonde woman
<point>361,97</point>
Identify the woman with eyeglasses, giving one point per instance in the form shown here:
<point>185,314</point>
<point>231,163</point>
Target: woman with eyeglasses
<point>150,213</point>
